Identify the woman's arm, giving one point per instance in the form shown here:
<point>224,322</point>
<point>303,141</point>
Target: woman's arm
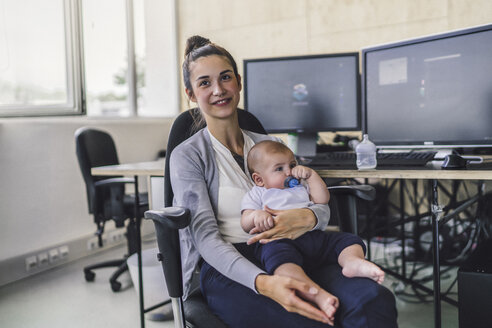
<point>294,223</point>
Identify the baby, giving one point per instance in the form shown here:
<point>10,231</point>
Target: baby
<point>270,163</point>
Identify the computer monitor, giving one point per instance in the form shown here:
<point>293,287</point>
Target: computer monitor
<point>430,92</point>
<point>305,95</point>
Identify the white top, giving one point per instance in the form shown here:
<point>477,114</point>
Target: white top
<point>277,199</point>
<point>233,185</point>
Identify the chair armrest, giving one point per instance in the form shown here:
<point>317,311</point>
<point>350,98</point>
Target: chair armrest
<point>167,222</point>
<point>171,217</point>
<point>365,192</point>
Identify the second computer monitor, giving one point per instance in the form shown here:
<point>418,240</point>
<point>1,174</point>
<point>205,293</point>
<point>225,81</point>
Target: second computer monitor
<point>433,91</point>
<point>304,94</point>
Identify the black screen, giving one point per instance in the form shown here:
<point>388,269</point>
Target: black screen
<point>428,91</point>
<point>304,94</point>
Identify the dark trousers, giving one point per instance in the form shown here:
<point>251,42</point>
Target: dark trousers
<point>363,302</point>
<point>310,251</point>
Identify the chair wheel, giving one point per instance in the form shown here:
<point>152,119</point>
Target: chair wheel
<point>89,275</point>
<point>115,286</point>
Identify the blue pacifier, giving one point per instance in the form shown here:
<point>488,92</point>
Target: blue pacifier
<point>291,182</point>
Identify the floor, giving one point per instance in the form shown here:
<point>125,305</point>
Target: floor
<point>62,298</point>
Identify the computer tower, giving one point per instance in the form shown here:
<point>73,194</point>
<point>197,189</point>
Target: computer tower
<point>475,288</point>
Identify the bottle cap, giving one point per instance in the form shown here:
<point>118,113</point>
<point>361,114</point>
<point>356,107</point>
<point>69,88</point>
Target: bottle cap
<point>291,182</point>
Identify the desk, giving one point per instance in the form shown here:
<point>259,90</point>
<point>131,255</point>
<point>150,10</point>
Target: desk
<point>425,173</point>
<point>147,169</point>
<point>155,168</point>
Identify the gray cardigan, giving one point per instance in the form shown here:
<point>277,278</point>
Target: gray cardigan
<point>195,183</point>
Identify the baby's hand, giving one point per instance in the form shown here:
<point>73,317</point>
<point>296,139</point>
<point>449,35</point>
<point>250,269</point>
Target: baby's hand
<point>301,172</point>
<point>263,221</point>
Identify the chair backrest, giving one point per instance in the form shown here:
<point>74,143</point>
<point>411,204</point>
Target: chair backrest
<point>183,128</point>
<point>94,148</point>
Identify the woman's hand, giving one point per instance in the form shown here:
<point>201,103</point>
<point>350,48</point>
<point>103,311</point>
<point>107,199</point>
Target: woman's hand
<point>288,224</point>
<point>283,291</point>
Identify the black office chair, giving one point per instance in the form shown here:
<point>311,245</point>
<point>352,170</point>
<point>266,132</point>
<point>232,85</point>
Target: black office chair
<point>169,220</point>
<point>106,196</point>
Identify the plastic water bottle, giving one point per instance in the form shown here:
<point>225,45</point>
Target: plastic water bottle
<point>366,154</point>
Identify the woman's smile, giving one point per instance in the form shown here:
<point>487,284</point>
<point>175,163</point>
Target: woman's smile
<point>222,102</point>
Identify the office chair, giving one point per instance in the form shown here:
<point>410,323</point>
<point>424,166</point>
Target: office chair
<point>106,196</point>
<point>170,219</point>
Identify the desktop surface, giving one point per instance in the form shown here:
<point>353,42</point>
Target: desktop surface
<point>428,172</point>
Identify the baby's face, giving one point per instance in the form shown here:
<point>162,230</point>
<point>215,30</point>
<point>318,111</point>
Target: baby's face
<point>275,168</point>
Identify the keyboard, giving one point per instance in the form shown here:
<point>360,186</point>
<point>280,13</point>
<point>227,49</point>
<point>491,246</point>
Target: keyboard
<point>348,159</point>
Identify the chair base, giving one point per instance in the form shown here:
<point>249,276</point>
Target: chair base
<point>115,284</point>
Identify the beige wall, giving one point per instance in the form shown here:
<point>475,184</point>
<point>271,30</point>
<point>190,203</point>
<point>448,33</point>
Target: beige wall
<point>267,28</point>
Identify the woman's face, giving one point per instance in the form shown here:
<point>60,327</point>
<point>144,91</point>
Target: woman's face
<point>215,87</point>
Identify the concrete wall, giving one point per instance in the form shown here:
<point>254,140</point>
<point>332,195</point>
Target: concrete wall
<point>269,28</point>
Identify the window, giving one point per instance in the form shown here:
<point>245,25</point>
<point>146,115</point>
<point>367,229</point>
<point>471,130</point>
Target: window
<point>109,52</point>
<point>45,44</point>
<point>156,58</point>
<point>105,57</point>
<point>38,46</point>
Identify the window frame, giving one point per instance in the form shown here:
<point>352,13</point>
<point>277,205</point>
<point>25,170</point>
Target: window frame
<point>74,69</point>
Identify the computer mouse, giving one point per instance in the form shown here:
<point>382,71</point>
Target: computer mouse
<point>454,161</point>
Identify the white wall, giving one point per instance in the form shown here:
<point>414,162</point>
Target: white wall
<point>42,192</point>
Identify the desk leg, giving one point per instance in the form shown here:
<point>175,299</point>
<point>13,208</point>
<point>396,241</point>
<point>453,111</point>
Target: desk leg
<point>402,227</point>
<point>369,225</point>
<point>436,214</point>
<point>139,254</point>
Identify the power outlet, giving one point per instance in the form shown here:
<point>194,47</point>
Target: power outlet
<point>92,244</point>
<point>31,263</point>
<point>116,236</point>
<point>53,255</point>
<point>63,251</point>
<point>43,259</point>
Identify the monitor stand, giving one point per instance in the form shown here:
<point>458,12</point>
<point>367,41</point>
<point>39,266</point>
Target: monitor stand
<point>443,152</point>
<point>303,144</point>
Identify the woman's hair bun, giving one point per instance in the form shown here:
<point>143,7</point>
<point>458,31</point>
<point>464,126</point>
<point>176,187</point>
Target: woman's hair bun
<point>195,42</point>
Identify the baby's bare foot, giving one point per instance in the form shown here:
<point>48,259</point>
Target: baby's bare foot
<point>327,303</point>
<point>363,268</point>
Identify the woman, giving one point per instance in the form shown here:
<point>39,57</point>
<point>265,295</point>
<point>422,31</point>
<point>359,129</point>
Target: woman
<point>208,176</point>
